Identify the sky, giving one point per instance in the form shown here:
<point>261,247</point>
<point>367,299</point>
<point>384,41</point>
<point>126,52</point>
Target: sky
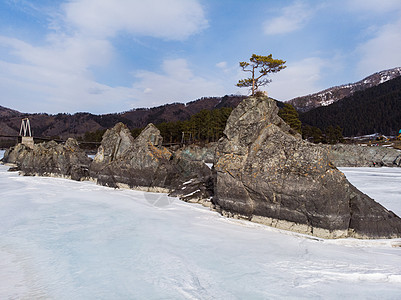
<point>105,56</point>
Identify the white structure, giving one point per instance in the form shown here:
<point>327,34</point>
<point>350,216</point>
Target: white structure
<point>25,127</point>
<point>27,140</point>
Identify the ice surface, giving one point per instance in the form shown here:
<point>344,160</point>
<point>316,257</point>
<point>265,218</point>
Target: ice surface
<point>61,239</point>
<point>381,184</point>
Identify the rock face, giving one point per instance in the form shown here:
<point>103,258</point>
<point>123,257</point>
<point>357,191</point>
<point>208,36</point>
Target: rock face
<point>198,153</point>
<point>50,159</point>
<point>266,174</point>
<point>358,156</point>
<point>145,164</point>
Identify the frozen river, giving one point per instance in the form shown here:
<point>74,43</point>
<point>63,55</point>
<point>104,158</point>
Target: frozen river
<point>61,239</point>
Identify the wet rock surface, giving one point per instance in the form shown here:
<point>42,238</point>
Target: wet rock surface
<point>266,173</point>
<point>343,155</point>
<point>50,159</point>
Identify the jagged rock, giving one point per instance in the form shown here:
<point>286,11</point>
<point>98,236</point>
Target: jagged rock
<point>343,155</point>
<point>195,180</point>
<point>145,164</point>
<point>267,174</point>
<point>50,159</point>
<point>115,143</point>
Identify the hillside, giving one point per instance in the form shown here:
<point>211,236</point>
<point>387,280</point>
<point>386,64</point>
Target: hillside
<point>66,125</point>
<point>6,112</point>
<point>334,94</point>
<point>374,110</point>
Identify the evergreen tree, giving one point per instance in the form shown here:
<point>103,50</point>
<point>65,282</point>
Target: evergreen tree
<point>374,110</point>
<point>312,134</point>
<point>291,117</point>
<point>262,65</point>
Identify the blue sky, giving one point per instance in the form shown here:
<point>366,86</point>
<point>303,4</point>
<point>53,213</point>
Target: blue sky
<point>104,56</point>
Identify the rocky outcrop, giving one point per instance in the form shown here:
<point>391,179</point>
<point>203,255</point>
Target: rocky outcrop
<point>265,173</point>
<point>50,159</point>
<point>343,155</point>
<point>145,164</point>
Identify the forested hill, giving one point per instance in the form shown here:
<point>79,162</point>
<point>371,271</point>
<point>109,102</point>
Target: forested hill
<point>66,125</point>
<point>374,110</point>
<point>336,93</point>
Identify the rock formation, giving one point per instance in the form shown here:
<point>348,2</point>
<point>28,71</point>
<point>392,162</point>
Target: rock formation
<point>50,159</point>
<point>343,155</point>
<point>145,164</point>
<point>265,173</point>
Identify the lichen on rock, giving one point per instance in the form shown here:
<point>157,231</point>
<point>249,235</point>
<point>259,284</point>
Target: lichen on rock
<point>265,172</point>
<point>50,159</point>
<point>343,155</point>
<point>145,164</point>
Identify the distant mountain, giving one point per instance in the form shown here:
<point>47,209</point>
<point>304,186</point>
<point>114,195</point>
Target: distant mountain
<point>373,110</point>
<point>334,94</point>
<point>67,125</point>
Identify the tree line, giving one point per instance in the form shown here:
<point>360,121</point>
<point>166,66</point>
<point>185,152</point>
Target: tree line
<point>208,126</point>
<point>329,135</point>
<point>203,127</point>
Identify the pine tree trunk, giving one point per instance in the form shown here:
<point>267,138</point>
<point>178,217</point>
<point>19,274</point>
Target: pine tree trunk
<point>253,81</point>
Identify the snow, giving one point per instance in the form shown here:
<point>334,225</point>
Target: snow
<point>210,165</point>
<point>327,102</point>
<point>62,239</point>
<point>383,79</point>
<point>190,194</point>
<point>188,182</point>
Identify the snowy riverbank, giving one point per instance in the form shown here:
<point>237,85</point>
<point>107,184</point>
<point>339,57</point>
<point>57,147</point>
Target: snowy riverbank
<point>62,239</point>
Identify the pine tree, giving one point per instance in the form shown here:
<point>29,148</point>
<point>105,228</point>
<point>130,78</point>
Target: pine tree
<point>262,65</point>
<point>290,116</point>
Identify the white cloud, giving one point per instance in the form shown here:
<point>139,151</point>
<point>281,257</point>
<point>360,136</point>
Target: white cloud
<point>62,53</point>
<point>51,90</point>
<point>222,65</point>
<point>31,88</point>
<point>298,79</point>
<point>176,82</point>
<point>173,19</point>
<point>293,18</point>
<point>54,77</point>
<point>57,75</point>
<point>382,51</point>
<point>41,85</point>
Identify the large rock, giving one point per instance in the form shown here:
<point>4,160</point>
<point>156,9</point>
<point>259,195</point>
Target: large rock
<point>145,164</point>
<point>343,155</point>
<point>264,172</point>
<point>50,159</point>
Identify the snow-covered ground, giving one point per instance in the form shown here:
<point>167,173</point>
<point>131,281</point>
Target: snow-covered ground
<point>61,239</point>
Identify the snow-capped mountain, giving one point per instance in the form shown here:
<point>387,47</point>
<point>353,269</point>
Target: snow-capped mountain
<point>333,94</point>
